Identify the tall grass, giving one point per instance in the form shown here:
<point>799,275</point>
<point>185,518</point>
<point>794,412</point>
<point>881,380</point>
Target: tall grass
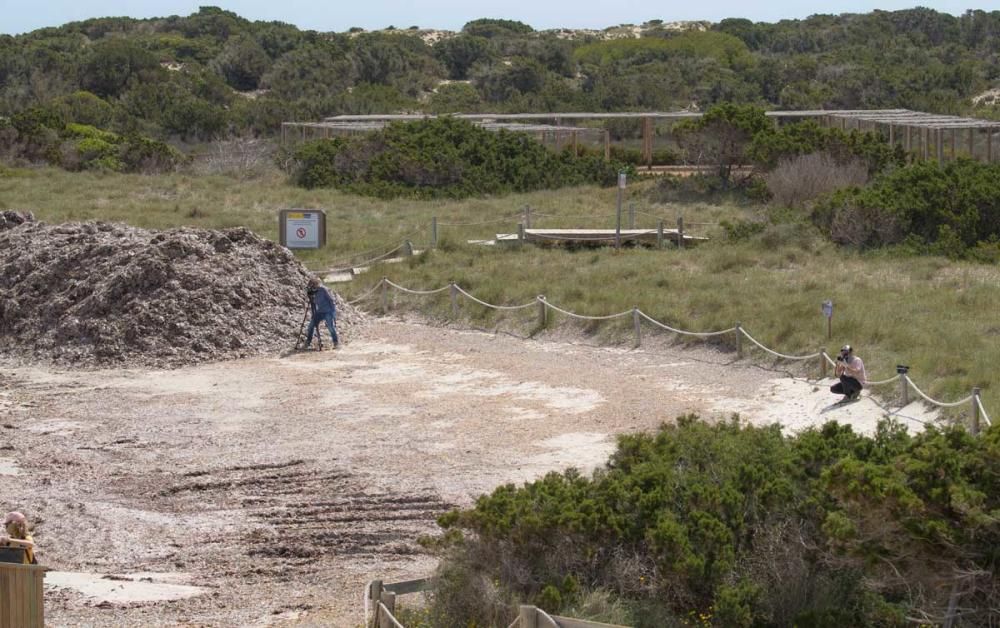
<point>937,316</point>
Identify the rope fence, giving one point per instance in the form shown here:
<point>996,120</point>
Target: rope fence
<point>543,305</point>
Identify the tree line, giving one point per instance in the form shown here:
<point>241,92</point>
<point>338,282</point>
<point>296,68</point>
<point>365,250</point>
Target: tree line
<point>214,73</point>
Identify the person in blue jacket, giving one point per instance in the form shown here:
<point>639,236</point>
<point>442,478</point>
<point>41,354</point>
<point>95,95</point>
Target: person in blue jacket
<point>323,309</point>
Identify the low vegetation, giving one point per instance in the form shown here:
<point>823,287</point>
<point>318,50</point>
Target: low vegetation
<point>443,158</point>
<point>727,525</point>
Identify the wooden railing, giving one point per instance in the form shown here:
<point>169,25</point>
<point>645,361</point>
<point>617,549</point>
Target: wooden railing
<point>382,598</point>
<point>22,596</point>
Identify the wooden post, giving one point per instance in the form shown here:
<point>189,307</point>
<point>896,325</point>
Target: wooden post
<point>22,596</point>
<point>520,234</point>
<point>631,215</point>
<point>434,232</point>
<point>454,299</point>
<point>975,411</point>
<point>543,311</point>
<point>637,322</point>
<point>904,390</point>
<point>527,216</point>
<point>822,363</point>
<point>680,232</point>
<point>647,141</point>
<point>528,616</point>
<point>384,303</point>
<point>374,595</point>
<point>659,234</point>
<point>940,145</point>
<point>739,340</point>
<point>926,144</point>
<point>607,145</point>
<point>389,601</point>
<point>954,150</point>
<point>618,219</point>
<point>892,135</point>
<point>909,139</point>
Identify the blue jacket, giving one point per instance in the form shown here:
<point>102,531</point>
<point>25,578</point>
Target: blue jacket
<point>322,301</point>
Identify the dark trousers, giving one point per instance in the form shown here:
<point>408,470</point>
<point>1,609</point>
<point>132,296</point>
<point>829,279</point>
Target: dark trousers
<point>318,318</point>
<point>847,386</point>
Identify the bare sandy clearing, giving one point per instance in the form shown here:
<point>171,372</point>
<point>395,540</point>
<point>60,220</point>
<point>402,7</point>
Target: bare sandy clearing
<point>281,485</point>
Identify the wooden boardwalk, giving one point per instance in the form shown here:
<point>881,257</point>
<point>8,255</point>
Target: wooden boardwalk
<point>598,237</point>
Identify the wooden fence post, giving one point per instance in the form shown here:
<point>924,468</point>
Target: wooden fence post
<point>739,340</point>
<point>904,389</point>
<point>542,311</point>
<point>454,299</point>
<point>637,322</point>
<point>520,234</point>
<point>975,411</point>
<point>384,303</point>
<point>374,595</point>
<point>659,235</point>
<point>680,232</point>
<point>529,616</point>
<point>389,601</point>
<point>527,216</point>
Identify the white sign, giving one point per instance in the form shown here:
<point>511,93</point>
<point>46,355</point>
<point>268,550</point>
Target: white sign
<point>828,309</point>
<point>621,180</point>
<point>302,230</point>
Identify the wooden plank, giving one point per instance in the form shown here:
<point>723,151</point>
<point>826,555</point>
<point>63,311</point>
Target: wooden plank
<point>22,596</point>
<point>569,622</point>
<point>410,586</point>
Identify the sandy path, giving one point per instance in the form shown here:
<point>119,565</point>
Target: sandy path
<point>280,486</point>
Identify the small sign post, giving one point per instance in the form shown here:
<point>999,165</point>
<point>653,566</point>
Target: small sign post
<point>828,313</point>
<point>302,228</point>
<point>618,213</point>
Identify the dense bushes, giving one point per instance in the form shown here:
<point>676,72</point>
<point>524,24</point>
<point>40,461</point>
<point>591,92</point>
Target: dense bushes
<point>443,157</point>
<point>41,135</point>
<point>952,209</point>
<point>744,527</point>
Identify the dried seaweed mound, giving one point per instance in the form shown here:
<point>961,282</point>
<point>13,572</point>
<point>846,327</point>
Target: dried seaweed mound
<point>100,294</point>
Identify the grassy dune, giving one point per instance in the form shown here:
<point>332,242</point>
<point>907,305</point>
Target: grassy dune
<point>937,316</point>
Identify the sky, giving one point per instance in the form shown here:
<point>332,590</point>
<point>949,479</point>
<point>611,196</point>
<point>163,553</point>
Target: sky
<point>19,16</point>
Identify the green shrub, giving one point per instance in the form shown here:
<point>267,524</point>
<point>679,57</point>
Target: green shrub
<point>444,157</point>
<point>946,209</point>
<point>751,527</point>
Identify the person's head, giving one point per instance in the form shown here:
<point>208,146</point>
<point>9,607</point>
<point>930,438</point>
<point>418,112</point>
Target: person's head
<point>16,525</point>
<point>314,283</point>
<point>846,351</point>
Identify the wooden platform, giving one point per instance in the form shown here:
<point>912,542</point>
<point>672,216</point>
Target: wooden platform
<point>597,237</point>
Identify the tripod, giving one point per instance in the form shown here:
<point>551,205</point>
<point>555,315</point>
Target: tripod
<point>302,328</point>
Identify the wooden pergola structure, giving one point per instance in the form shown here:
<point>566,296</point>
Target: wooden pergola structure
<point>923,135</point>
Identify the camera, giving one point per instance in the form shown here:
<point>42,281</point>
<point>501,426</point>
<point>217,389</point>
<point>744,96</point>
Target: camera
<point>840,358</point>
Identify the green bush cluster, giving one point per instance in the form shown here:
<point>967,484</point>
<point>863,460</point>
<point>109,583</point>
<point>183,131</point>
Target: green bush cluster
<point>443,158</point>
<point>743,526</point>
<point>41,135</point>
<point>952,209</point>
<point>214,73</point>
